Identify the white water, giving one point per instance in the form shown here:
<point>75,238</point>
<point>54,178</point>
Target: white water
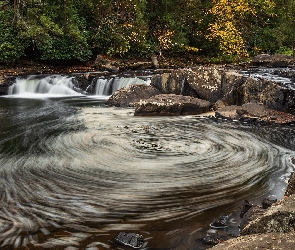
<point>53,85</point>
<point>109,86</point>
<point>59,86</point>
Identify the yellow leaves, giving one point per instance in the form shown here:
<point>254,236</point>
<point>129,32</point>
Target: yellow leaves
<point>191,49</point>
<point>165,39</point>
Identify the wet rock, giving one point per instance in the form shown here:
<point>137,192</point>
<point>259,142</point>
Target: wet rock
<point>133,240</point>
<point>284,241</point>
<point>253,213</point>
<point>279,218</point>
<point>291,185</point>
<point>220,222</point>
<point>172,105</point>
<point>276,60</point>
<point>129,95</point>
<point>267,203</point>
<point>214,239</point>
<point>246,205</point>
<point>255,112</point>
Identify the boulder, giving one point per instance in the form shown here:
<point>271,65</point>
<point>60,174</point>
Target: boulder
<point>174,82</point>
<point>172,105</point>
<point>255,112</point>
<point>291,183</point>
<point>128,96</point>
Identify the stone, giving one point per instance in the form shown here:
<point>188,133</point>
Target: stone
<point>172,105</point>
<point>291,185</point>
<point>130,95</point>
<point>214,239</point>
<point>279,218</point>
<point>133,240</point>
<point>255,112</point>
<point>276,60</point>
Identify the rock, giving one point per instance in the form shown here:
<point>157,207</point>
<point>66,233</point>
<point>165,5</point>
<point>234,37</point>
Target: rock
<point>173,82</point>
<point>246,205</point>
<point>220,222</point>
<point>284,241</point>
<point>213,239</point>
<point>276,60</point>
<point>267,203</point>
<point>279,218</point>
<point>133,240</point>
<point>172,105</point>
<point>253,213</point>
<point>291,185</point>
<point>255,112</point>
<point>155,62</point>
<point>129,95</point>
<point>103,63</point>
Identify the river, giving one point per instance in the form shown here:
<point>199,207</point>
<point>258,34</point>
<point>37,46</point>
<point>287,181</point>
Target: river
<point>74,173</point>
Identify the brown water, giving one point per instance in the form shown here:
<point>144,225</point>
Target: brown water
<point>74,173</point>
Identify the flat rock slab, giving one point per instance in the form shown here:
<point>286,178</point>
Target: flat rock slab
<point>128,96</point>
<point>172,105</point>
<point>255,112</point>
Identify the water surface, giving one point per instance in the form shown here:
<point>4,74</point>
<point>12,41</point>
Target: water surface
<point>74,172</point>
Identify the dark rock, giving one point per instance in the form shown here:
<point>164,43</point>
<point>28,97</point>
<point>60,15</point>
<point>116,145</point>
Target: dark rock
<point>4,86</point>
<point>246,205</point>
<point>220,222</point>
<point>172,105</point>
<point>129,95</point>
<point>253,213</point>
<point>276,60</point>
<point>291,185</point>
<point>133,240</point>
<point>255,112</point>
<point>174,82</point>
<point>214,239</point>
<point>266,203</point>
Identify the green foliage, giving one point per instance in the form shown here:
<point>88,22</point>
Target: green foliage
<point>224,30</point>
<point>11,45</point>
<point>285,51</point>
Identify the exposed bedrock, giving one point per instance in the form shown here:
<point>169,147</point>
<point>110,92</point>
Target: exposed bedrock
<point>227,85</point>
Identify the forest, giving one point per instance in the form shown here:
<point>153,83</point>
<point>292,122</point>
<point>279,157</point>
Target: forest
<point>64,30</point>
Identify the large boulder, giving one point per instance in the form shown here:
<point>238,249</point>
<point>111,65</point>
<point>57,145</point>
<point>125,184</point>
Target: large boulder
<point>131,94</point>
<point>255,112</point>
<point>174,82</point>
<point>172,105</point>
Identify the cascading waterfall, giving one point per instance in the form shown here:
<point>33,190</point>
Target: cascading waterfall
<point>61,85</point>
<point>52,85</point>
<point>110,86</point>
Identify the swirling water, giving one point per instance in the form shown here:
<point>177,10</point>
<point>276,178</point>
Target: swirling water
<point>74,173</point>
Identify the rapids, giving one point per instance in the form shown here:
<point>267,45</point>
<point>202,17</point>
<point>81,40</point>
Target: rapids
<point>74,173</point>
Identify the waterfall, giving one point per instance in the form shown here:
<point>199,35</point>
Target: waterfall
<point>51,85</point>
<point>106,87</point>
<point>61,85</point>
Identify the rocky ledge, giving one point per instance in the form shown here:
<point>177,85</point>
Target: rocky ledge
<point>255,112</point>
<point>171,105</point>
<point>268,229</point>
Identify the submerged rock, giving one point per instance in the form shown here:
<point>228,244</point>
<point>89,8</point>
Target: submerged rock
<point>214,239</point>
<point>172,105</point>
<point>129,95</point>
